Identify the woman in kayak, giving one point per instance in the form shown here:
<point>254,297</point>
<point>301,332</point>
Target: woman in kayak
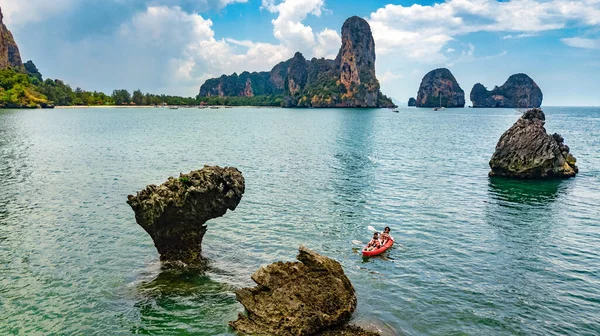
<point>385,236</point>
<point>374,243</point>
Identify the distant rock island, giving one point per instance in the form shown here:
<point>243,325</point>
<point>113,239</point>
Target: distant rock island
<point>347,81</point>
<point>412,101</point>
<point>440,88</point>
<point>519,91</point>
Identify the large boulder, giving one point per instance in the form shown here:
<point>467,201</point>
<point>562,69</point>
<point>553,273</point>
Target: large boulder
<point>527,151</point>
<point>308,297</point>
<point>175,212</point>
<point>439,87</point>
<point>519,91</point>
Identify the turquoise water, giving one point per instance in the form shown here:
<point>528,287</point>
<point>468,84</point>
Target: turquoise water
<point>477,256</point>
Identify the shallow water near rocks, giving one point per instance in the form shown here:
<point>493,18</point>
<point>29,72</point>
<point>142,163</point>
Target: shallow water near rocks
<point>475,256</point>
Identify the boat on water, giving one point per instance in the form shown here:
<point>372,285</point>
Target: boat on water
<point>214,107</point>
<point>439,108</point>
<point>395,111</point>
<point>376,252</point>
<point>173,107</point>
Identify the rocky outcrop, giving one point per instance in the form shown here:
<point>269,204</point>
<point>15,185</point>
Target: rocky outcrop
<point>9,51</point>
<point>412,102</point>
<point>440,88</point>
<point>527,151</point>
<point>297,74</point>
<point>519,91</point>
<point>174,214</point>
<point>347,81</point>
<point>308,297</point>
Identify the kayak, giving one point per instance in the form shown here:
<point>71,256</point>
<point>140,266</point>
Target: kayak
<point>378,251</point>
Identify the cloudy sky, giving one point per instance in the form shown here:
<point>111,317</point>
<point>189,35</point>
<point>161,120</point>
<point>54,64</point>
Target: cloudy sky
<point>172,46</point>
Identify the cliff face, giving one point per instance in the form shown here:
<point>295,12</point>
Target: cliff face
<point>9,51</point>
<point>347,81</point>
<point>440,83</point>
<point>519,91</point>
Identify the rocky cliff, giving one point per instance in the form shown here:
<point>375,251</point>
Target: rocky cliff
<point>519,91</point>
<point>347,81</point>
<point>439,87</point>
<point>174,214</point>
<point>9,51</point>
<point>526,151</point>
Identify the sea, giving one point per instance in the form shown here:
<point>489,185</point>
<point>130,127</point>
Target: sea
<point>473,256</point>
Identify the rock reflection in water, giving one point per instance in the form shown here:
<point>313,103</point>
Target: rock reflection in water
<point>184,301</point>
<point>528,192</point>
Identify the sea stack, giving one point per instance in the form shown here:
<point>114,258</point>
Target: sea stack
<point>440,88</point>
<point>412,102</point>
<point>9,51</point>
<point>347,81</point>
<point>308,297</point>
<point>174,214</point>
<point>526,151</point>
<point>519,91</point>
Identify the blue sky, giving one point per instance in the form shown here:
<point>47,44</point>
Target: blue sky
<point>172,46</point>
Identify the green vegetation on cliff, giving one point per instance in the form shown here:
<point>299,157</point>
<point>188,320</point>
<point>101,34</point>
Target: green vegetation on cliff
<point>18,89</point>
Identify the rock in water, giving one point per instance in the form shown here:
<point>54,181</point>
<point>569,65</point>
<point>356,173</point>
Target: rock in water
<point>175,212</point>
<point>527,151</point>
<point>440,82</point>
<point>412,102</point>
<point>297,298</point>
<point>519,91</point>
<point>9,51</point>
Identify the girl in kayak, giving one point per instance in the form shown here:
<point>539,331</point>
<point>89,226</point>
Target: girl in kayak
<point>374,243</point>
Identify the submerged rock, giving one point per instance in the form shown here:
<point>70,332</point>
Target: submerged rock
<point>175,212</point>
<point>519,91</point>
<point>310,297</point>
<point>439,87</point>
<point>527,151</point>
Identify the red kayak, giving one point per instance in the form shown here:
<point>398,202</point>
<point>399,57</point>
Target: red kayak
<point>378,251</point>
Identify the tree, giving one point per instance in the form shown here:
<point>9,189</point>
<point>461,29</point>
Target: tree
<point>121,97</point>
<point>138,97</point>
<point>32,70</point>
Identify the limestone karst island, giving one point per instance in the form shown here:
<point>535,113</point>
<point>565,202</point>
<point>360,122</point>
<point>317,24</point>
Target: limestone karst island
<point>299,167</point>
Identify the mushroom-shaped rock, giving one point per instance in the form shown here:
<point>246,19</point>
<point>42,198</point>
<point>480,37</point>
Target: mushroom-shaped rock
<point>297,298</point>
<point>175,212</point>
<point>527,151</point>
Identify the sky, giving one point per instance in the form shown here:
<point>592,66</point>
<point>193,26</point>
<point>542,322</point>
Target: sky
<point>173,46</point>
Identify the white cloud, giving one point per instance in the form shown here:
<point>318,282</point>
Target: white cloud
<point>18,12</point>
<point>518,36</point>
<point>389,76</point>
<point>421,32</point>
<point>328,44</point>
<point>450,50</point>
<point>288,27</point>
<point>580,42</point>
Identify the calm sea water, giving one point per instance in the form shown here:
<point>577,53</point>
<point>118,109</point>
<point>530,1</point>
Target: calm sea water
<point>477,256</point>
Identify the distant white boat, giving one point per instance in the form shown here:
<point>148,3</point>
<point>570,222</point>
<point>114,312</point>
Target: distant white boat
<point>440,108</point>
